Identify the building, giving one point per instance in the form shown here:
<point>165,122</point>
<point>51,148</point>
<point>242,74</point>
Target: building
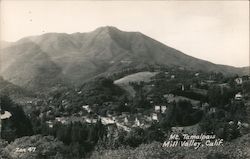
<point>157,108</point>
<point>155,117</point>
<point>137,122</point>
<point>212,110</point>
<point>204,106</point>
<point>238,96</point>
<point>238,80</point>
<point>163,109</point>
<point>160,108</point>
<point>50,124</point>
<point>87,108</point>
<point>107,120</point>
<point>6,115</point>
<point>61,120</point>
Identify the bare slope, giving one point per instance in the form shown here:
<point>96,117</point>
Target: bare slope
<point>136,77</point>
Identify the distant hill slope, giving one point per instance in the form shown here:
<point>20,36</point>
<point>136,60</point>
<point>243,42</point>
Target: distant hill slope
<point>136,77</point>
<point>59,58</point>
<point>246,70</point>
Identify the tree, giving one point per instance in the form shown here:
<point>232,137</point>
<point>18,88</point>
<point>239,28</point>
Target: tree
<point>18,124</point>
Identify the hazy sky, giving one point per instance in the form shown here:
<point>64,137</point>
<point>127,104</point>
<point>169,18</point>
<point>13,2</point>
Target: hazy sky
<point>217,31</point>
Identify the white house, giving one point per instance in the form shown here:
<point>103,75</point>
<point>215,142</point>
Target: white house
<point>106,120</point>
<point>6,115</point>
<point>238,80</point>
<point>157,108</point>
<point>182,87</point>
<point>160,108</point>
<point>155,117</point>
<point>238,96</point>
<point>61,120</point>
<point>50,124</point>
<point>126,120</point>
<point>163,108</point>
<point>137,122</point>
<point>87,108</point>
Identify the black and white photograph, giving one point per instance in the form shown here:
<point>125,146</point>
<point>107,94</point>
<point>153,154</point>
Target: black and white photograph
<point>109,79</point>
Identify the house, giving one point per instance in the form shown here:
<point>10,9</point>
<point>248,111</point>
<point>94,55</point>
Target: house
<point>64,102</point>
<point>163,109</point>
<point>29,102</point>
<point>80,92</point>
<point>87,108</point>
<point>6,115</point>
<point>137,122</point>
<point>155,117</point>
<point>230,122</point>
<point>126,61</point>
<point>172,76</point>
<point>90,120</point>
<point>238,96</point>
<point>209,82</point>
<point>106,120</point>
<point>160,108</point>
<point>50,124</point>
<point>238,81</point>
<point>157,108</point>
<point>212,110</point>
<point>61,120</point>
<point>182,87</point>
<point>204,106</point>
<point>126,120</point>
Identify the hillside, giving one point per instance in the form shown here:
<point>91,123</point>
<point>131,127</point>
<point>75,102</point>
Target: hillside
<point>237,149</point>
<point>246,70</point>
<point>136,77</point>
<point>58,58</point>
<point>15,92</point>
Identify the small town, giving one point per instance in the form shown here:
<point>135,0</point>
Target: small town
<point>124,80</point>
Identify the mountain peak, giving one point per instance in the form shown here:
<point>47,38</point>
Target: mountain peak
<point>107,28</point>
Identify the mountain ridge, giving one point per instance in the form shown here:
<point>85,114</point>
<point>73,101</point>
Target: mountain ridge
<point>76,57</point>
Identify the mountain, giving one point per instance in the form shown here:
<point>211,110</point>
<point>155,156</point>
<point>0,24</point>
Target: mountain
<point>59,58</point>
<point>246,70</point>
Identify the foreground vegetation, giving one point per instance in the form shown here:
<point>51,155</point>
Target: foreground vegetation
<point>55,125</point>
